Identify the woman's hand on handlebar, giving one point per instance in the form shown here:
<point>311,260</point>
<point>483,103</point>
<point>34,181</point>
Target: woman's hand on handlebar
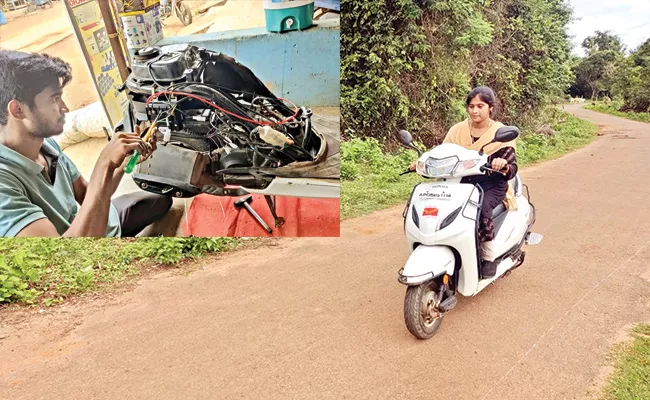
<point>499,164</point>
<point>488,168</point>
<point>410,169</point>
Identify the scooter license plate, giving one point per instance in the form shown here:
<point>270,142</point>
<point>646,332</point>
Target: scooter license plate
<point>437,193</point>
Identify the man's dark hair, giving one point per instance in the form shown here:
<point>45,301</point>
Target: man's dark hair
<point>25,75</point>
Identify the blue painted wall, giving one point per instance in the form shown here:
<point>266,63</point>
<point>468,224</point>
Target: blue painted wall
<point>302,66</point>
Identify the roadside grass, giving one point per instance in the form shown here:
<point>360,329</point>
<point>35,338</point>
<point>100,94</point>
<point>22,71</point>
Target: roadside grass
<point>48,270</point>
<point>612,108</point>
<point>371,181</point>
<point>631,378</point>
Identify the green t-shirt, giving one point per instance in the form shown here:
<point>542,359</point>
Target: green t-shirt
<point>26,195</point>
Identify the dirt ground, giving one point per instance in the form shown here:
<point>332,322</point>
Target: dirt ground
<point>49,31</point>
<point>322,318</point>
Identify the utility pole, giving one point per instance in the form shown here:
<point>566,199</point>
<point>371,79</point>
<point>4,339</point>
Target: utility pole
<point>116,44</point>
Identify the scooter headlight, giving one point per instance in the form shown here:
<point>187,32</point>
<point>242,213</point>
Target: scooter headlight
<point>435,167</point>
<point>463,166</point>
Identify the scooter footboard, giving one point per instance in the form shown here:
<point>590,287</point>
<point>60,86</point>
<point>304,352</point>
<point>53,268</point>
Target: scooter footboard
<point>426,263</point>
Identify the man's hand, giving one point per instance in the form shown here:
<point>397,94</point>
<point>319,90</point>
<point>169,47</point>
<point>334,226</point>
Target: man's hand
<point>151,147</point>
<point>151,144</point>
<point>499,164</point>
<point>121,147</point>
<point>413,165</point>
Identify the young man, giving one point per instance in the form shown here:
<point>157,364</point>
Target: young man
<point>42,192</point>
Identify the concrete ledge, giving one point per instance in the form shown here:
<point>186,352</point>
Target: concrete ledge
<point>302,66</point>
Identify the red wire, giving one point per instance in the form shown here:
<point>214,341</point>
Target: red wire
<point>226,111</point>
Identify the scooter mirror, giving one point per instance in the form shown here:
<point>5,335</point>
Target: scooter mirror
<point>506,134</point>
<point>405,137</point>
<point>503,135</point>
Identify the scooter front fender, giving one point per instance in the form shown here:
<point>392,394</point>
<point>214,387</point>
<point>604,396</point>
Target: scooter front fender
<point>426,263</point>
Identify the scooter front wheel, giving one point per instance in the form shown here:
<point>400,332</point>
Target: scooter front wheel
<point>420,310</point>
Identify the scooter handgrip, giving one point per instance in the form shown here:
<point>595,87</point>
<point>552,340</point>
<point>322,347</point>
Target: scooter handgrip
<point>487,167</point>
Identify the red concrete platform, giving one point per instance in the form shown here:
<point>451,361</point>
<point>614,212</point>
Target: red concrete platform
<point>215,216</point>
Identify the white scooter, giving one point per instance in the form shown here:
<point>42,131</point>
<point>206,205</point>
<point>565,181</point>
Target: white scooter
<point>441,227</point>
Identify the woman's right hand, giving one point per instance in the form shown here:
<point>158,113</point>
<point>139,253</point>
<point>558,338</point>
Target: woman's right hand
<point>412,166</point>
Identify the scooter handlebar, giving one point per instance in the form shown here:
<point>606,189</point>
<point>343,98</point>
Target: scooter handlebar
<point>488,167</point>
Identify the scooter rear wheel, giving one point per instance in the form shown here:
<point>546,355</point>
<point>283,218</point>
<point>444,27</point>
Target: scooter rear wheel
<point>420,313</point>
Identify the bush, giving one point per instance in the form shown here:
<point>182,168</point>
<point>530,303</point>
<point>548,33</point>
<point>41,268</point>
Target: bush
<point>377,183</point>
<point>50,269</point>
<point>359,153</point>
<point>616,108</point>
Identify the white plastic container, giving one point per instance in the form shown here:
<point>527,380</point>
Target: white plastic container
<point>273,137</point>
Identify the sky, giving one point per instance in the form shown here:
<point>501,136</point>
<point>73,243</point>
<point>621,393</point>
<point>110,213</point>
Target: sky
<point>629,19</point>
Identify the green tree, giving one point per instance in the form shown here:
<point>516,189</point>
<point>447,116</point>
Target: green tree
<point>528,61</point>
<point>631,79</point>
<point>641,56</point>
<point>603,41</point>
<point>595,73</point>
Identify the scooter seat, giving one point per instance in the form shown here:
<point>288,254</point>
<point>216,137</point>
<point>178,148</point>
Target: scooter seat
<point>498,210</point>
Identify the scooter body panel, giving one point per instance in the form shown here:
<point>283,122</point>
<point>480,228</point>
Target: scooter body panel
<point>429,223</point>
<point>426,227</point>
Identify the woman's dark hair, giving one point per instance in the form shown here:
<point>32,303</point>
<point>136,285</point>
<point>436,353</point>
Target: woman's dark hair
<point>486,95</point>
<point>25,75</point>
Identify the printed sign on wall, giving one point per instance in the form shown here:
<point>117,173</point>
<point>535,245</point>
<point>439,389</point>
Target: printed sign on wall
<point>93,38</point>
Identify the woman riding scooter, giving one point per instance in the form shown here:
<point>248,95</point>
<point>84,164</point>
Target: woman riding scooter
<point>473,133</point>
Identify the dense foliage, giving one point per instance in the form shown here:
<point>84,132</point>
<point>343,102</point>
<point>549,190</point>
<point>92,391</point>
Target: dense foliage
<point>48,270</point>
<point>607,72</point>
<point>631,81</point>
<point>409,64</point>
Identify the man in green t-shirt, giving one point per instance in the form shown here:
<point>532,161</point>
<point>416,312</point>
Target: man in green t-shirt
<point>42,192</point>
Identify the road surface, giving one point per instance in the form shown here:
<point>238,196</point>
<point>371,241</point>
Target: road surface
<point>322,318</point>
